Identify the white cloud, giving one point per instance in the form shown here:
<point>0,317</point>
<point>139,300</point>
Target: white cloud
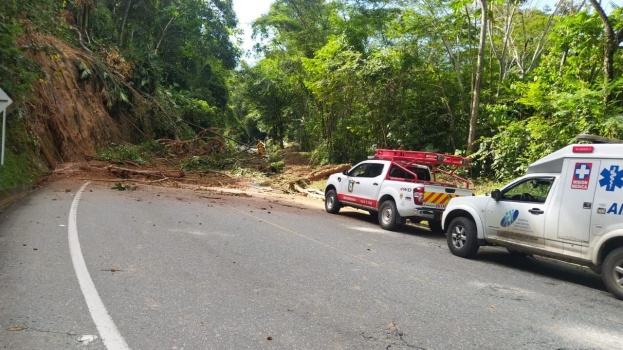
<point>248,11</point>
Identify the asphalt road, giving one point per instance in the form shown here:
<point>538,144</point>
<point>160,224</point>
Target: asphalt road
<point>176,269</point>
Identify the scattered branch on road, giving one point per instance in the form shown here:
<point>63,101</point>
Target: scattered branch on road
<point>126,172</point>
<point>218,172</point>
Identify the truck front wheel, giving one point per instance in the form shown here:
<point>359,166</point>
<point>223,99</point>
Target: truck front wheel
<point>612,272</point>
<point>462,238</point>
<point>389,218</point>
<point>331,204</point>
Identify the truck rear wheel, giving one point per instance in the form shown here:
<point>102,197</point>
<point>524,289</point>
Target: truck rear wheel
<point>612,272</point>
<point>389,218</point>
<point>462,237</point>
<point>331,204</point>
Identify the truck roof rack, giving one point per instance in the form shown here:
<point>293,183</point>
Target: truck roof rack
<point>421,157</point>
<point>431,159</point>
<point>597,139</point>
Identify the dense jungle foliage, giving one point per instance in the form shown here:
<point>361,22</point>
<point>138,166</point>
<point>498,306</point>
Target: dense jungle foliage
<point>504,82</point>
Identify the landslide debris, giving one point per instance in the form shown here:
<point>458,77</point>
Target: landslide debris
<point>72,116</point>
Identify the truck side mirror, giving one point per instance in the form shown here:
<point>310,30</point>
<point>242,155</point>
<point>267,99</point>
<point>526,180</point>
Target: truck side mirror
<point>496,195</point>
<point>345,172</point>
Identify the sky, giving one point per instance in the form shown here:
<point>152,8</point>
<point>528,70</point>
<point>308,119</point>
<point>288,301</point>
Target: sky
<point>247,11</point>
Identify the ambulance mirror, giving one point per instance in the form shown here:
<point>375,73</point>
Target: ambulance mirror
<point>496,195</point>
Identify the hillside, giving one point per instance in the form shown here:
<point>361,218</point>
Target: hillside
<point>72,117</point>
<point>168,77</point>
<point>68,114</point>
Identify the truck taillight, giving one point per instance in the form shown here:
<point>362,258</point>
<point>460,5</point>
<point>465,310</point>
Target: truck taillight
<point>418,196</point>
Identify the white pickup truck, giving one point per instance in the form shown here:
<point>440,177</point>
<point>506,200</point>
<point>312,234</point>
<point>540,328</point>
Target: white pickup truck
<point>398,185</point>
<point>569,206</point>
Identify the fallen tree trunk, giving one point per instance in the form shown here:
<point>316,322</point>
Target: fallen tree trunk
<point>299,189</point>
<point>126,172</point>
<point>300,184</point>
<point>316,196</point>
<point>323,174</point>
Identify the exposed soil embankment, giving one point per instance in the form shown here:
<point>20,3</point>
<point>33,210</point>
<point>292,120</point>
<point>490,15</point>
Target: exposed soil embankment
<point>68,114</point>
<point>73,113</point>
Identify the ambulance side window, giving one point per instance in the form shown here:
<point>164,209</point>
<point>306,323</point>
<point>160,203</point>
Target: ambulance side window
<point>534,190</point>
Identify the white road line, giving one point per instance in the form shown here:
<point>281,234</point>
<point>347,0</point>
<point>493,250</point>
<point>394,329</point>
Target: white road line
<point>106,327</point>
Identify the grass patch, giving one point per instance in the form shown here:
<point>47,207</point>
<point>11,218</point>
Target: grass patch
<point>218,161</point>
<point>22,167</point>
<point>19,171</point>
<point>277,166</point>
<point>119,154</point>
<point>319,185</point>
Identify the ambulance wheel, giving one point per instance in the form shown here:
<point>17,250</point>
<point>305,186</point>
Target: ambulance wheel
<point>389,219</point>
<point>435,226</point>
<point>331,204</point>
<point>462,239</point>
<point>612,272</point>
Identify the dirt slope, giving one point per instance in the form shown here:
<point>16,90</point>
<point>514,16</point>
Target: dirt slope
<point>68,115</point>
<point>70,118</point>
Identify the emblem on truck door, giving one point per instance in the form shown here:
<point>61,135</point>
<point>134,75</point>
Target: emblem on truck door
<point>509,217</point>
<point>611,179</point>
<point>581,176</point>
<point>351,185</point>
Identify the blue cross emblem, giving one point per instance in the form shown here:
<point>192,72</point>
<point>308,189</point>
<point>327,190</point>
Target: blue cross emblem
<point>611,178</point>
<point>582,171</point>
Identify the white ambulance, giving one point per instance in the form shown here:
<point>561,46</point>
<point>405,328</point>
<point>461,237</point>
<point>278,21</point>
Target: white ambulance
<point>569,206</point>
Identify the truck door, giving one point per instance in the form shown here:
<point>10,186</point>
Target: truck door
<point>362,184</point>
<point>519,215</point>
<point>366,187</point>
<point>578,193</point>
<point>347,185</point>
<point>608,202</point>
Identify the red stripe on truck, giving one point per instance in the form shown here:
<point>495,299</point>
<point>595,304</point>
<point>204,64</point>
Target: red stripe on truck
<point>357,200</point>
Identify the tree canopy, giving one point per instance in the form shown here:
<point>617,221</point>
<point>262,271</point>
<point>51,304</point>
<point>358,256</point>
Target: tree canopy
<point>502,81</point>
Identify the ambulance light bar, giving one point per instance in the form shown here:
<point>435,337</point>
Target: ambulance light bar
<point>583,149</point>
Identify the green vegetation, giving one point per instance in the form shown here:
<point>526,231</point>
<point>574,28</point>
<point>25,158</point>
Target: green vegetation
<point>123,187</point>
<point>140,155</point>
<point>342,77</point>
<point>202,163</point>
<point>21,169</point>
<point>17,72</point>
<point>400,73</point>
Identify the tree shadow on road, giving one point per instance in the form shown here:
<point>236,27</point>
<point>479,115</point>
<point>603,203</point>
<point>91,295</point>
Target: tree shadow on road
<point>413,229</point>
<point>556,270</point>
